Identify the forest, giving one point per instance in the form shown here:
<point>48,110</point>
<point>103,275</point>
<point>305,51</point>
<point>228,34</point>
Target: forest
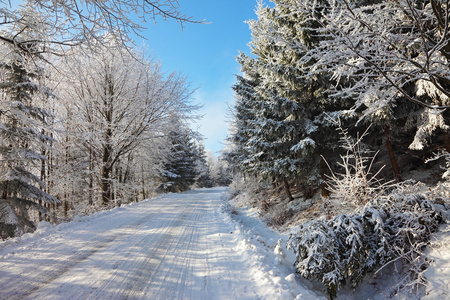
<point>344,105</point>
<point>88,120</point>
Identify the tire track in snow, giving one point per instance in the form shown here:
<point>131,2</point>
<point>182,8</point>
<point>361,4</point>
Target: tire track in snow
<point>124,273</point>
<point>51,266</point>
<point>176,247</point>
<point>141,270</point>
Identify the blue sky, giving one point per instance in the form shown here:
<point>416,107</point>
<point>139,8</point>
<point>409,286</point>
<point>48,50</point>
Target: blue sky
<point>206,53</point>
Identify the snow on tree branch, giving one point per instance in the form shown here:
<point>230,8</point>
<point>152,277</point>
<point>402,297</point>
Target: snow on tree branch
<point>73,22</point>
<point>383,45</point>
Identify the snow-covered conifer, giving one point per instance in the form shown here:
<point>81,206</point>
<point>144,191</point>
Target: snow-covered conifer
<point>285,129</point>
<point>244,117</point>
<point>22,127</point>
<point>203,179</point>
<point>179,171</point>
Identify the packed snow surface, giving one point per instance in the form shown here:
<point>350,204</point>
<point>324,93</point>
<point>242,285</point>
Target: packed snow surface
<point>177,246</point>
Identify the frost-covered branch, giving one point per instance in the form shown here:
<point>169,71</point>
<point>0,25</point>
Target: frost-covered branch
<point>357,183</point>
<point>387,46</point>
<point>74,22</point>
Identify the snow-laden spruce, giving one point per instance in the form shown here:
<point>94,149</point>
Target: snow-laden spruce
<point>24,127</point>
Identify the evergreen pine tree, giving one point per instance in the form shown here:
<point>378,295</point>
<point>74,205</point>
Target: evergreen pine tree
<point>21,130</point>
<point>245,110</point>
<point>179,172</point>
<point>285,139</point>
<point>203,179</point>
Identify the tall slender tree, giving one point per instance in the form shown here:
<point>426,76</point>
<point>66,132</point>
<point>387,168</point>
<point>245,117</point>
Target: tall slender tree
<point>22,128</point>
<point>203,179</point>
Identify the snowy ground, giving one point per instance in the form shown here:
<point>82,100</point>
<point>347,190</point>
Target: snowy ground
<point>438,273</point>
<point>192,245</point>
<point>179,246</point>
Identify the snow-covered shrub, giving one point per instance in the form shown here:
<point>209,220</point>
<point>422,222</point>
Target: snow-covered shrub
<point>356,184</point>
<point>243,184</point>
<point>345,248</point>
<point>17,217</point>
<point>446,168</point>
<point>247,191</point>
<point>446,174</point>
<point>441,193</point>
<point>237,186</point>
<point>278,215</point>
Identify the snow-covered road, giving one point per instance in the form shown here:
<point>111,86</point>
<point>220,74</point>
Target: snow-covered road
<point>178,246</point>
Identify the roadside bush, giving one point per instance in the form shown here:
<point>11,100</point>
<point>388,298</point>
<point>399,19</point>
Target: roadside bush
<point>345,248</point>
<point>356,183</point>
<point>278,215</point>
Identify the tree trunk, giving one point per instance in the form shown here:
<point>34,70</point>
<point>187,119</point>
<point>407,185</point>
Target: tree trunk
<point>106,185</point>
<point>323,167</point>
<point>91,178</point>
<point>50,183</point>
<point>66,162</point>
<point>390,149</point>
<point>144,194</point>
<point>65,208</point>
<point>43,171</point>
<point>447,141</point>
<point>43,165</point>
<point>39,212</point>
<point>107,166</point>
<point>106,175</point>
<point>287,189</point>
